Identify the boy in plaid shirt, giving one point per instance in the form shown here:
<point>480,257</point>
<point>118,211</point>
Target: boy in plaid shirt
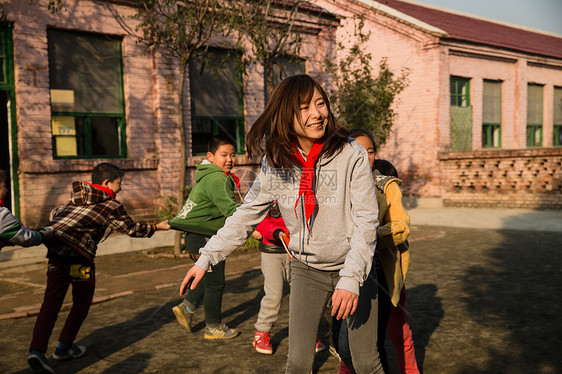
<point>90,215</point>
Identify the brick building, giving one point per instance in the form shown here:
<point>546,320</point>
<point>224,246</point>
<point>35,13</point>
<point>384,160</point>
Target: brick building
<point>80,90</point>
<point>479,123</point>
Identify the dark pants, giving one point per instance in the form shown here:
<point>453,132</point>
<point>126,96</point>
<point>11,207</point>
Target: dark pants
<point>369,298</point>
<point>384,312</point>
<point>310,291</point>
<point>59,278</point>
<point>209,290</point>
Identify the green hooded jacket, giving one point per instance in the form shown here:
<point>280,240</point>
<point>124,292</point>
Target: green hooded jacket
<point>210,202</point>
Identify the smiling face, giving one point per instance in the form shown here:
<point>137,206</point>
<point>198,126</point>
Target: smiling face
<point>310,123</point>
<point>224,157</point>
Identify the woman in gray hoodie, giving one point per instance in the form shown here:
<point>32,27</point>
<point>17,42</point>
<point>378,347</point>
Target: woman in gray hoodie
<point>324,187</point>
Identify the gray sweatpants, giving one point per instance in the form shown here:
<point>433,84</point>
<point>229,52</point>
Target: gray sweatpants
<point>310,291</point>
<point>276,272</point>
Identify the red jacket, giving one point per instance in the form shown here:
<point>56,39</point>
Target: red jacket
<point>267,228</point>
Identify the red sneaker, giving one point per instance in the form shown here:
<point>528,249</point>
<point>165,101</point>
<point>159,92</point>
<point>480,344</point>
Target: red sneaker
<point>320,347</point>
<point>262,344</point>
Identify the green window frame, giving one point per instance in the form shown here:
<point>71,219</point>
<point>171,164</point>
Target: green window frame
<point>534,114</point>
<point>217,101</point>
<point>460,91</point>
<point>557,117</point>
<point>460,114</point>
<point>87,96</point>
<point>491,114</point>
<point>9,161</point>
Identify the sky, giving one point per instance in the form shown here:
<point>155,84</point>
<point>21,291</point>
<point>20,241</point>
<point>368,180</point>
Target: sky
<point>543,15</point>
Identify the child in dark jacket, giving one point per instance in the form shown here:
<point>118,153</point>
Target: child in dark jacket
<point>12,232</point>
<point>78,226</point>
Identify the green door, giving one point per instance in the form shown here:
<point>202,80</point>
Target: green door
<point>8,126</point>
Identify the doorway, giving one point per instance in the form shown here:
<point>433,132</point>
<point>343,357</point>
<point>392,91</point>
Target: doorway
<point>5,146</point>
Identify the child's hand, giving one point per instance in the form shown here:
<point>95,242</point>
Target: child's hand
<point>256,234</point>
<point>47,233</point>
<point>163,225</point>
<point>191,279</point>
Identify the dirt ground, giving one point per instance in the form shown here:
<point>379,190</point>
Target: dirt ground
<point>480,301</point>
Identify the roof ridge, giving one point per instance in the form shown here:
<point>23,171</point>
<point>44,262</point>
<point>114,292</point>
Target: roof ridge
<point>481,18</point>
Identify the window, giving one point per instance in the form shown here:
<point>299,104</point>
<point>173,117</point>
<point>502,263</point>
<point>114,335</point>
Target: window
<point>460,91</point>
<point>286,66</point>
<point>557,116</point>
<point>534,115</point>
<point>491,114</point>
<point>216,99</point>
<point>87,107</point>
<point>461,115</point>
<point>2,58</point>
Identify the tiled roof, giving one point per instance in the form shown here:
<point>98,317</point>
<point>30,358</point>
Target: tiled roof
<point>475,30</point>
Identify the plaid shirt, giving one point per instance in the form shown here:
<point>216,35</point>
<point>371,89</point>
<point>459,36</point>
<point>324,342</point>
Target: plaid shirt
<point>88,218</point>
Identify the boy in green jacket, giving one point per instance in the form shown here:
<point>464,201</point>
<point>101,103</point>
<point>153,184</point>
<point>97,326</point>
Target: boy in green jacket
<point>210,202</point>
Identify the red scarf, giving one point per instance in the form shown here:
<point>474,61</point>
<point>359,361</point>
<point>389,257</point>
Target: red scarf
<point>307,178</point>
<point>235,178</point>
<point>108,191</point>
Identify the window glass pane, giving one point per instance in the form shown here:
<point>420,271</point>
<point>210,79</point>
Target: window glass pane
<point>201,132</point>
<point>105,136</point>
<point>491,108</point>
<point>460,90</point>
<point>558,105</point>
<point>203,129</point>
<point>68,133</point>
<point>227,127</point>
<point>534,136</point>
<point>558,135</point>
<point>534,104</point>
<point>214,90</point>
<point>537,138</point>
<point>496,135</point>
<point>285,66</point>
<point>86,68</point>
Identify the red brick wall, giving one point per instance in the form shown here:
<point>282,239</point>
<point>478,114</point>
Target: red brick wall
<point>529,178</point>
<point>150,85</point>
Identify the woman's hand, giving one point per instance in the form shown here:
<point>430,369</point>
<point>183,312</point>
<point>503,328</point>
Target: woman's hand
<point>191,279</point>
<point>344,303</point>
<point>163,225</point>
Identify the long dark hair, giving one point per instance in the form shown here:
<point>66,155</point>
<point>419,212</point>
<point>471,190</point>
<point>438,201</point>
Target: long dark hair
<point>276,123</point>
<point>357,132</point>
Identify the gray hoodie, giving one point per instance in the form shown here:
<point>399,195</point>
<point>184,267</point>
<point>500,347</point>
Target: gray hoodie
<point>12,232</point>
<point>343,228</point>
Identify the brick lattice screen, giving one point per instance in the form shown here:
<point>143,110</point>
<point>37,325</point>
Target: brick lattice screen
<point>529,178</point>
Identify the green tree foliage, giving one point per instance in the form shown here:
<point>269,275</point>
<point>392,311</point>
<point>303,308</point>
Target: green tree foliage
<point>362,96</point>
